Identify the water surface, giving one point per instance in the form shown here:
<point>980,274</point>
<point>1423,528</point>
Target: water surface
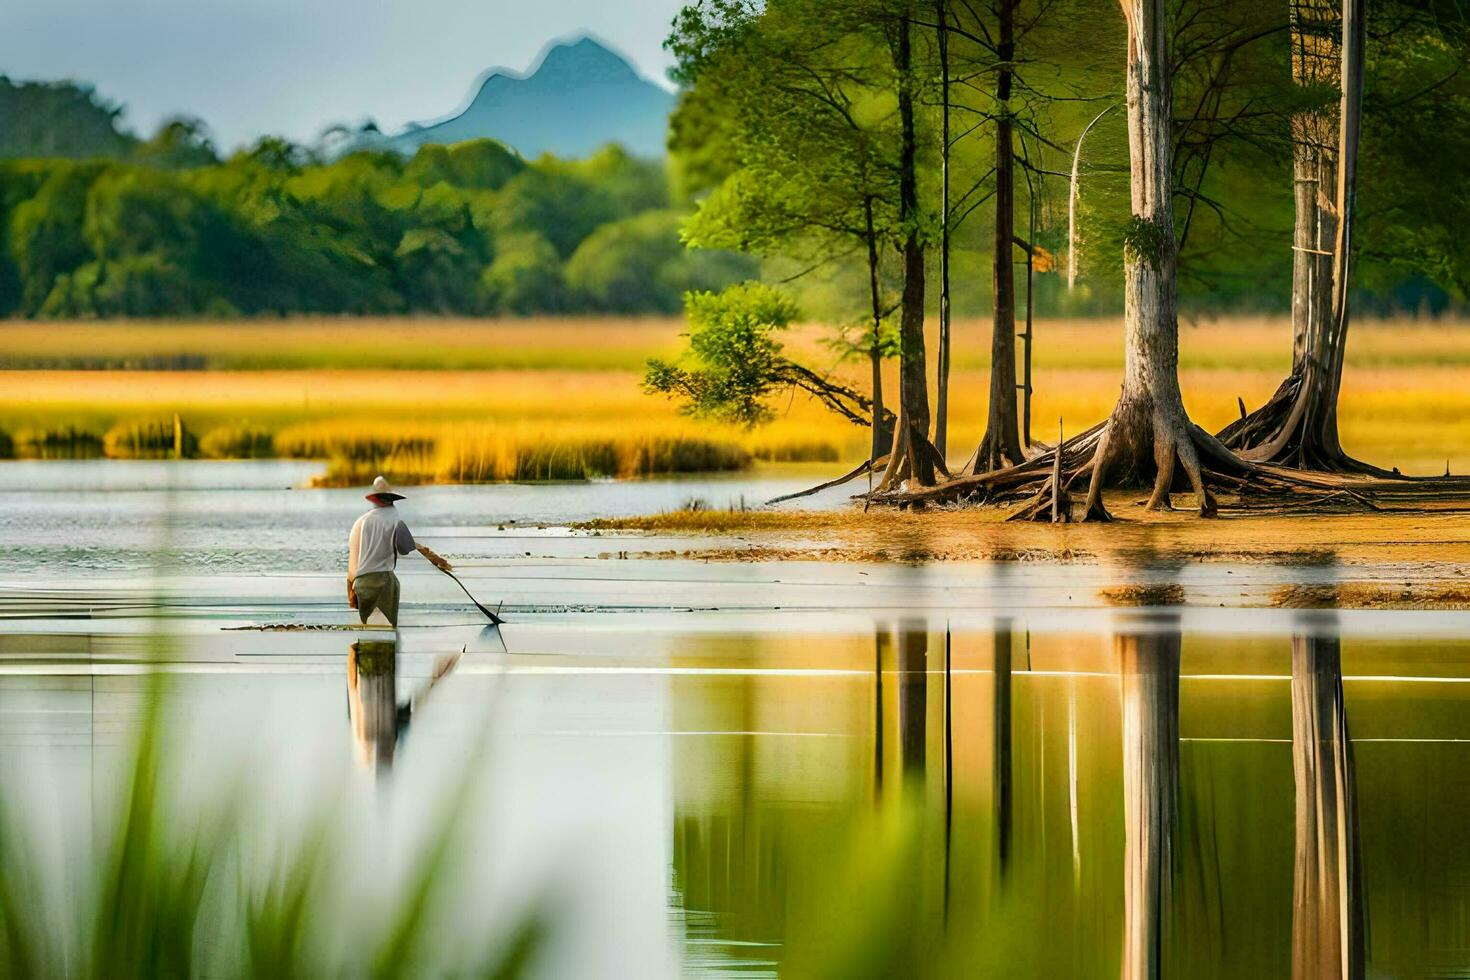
<point>702,767</point>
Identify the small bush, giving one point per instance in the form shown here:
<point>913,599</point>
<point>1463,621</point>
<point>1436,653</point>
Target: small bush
<point>651,456</point>
<point>403,470</point>
<point>347,441</point>
<point>521,456</point>
<point>7,445</point>
<point>62,442</point>
<point>800,451</point>
<point>155,438</point>
<point>237,442</point>
<point>560,459</point>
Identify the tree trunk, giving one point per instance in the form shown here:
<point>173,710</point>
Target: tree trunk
<point>1316,55</point>
<point>1327,909</point>
<point>911,437</point>
<point>1148,663</point>
<point>1001,445</point>
<point>882,435</point>
<point>1149,429</point>
<point>941,415</point>
<point>1298,425</point>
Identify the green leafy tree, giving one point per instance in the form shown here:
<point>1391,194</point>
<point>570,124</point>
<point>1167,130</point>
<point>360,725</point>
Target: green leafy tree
<point>525,277</point>
<point>44,234</point>
<point>180,143</point>
<point>562,208</point>
<point>483,164</point>
<point>59,119</point>
<point>736,367</point>
<point>638,264</point>
<point>633,183</point>
<point>791,124</point>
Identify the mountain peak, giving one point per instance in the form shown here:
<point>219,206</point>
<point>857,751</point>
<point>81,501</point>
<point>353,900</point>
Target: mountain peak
<point>584,60</point>
<point>580,95</point>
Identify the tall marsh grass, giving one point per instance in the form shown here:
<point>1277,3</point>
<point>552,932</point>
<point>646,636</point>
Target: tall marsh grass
<point>56,442</point>
<point>240,441</point>
<point>175,895</point>
<point>548,343</point>
<point>575,383</point>
<point>151,438</point>
<point>356,453</point>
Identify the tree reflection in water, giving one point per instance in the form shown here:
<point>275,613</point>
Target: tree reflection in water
<point>1327,907</point>
<point>1108,804</point>
<point>1002,769</point>
<point>1147,648</point>
<point>913,696</point>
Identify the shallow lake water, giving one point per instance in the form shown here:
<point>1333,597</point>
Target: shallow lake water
<point>711,769</point>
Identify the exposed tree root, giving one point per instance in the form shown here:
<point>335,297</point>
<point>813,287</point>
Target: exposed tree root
<point>1052,502</point>
<point>895,468</point>
<point>912,451</point>
<point>1007,483</point>
<point>1196,462</point>
<point>1288,431</point>
<point>993,454</point>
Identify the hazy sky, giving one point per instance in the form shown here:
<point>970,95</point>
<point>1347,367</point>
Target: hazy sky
<point>294,66</point>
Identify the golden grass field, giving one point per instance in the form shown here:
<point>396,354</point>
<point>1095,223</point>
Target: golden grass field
<point>546,398</point>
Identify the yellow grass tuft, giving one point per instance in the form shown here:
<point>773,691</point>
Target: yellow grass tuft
<point>150,438</point>
<point>237,441</point>
<point>357,450</point>
<point>58,442</point>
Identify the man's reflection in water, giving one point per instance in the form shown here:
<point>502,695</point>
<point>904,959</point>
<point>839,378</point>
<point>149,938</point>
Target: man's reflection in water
<point>1327,909</point>
<point>379,722</point>
<point>1147,647</point>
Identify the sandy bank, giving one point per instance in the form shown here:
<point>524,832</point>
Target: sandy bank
<point>1423,556</point>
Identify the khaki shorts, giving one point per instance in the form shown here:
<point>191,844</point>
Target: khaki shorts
<point>377,590</point>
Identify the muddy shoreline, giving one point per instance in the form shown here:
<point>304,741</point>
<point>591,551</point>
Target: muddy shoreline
<point>1412,560</point>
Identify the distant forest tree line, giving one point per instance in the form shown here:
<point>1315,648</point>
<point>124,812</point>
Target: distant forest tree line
<point>97,222</point>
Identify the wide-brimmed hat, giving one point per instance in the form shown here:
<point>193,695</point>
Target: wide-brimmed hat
<point>383,491</point>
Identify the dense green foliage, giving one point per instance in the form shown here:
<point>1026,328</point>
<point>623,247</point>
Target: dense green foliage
<point>735,366</point>
<point>469,228</point>
<point>59,119</point>
<point>737,360</point>
<point>787,127</point>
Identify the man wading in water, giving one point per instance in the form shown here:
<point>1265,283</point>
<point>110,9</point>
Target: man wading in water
<point>377,539</point>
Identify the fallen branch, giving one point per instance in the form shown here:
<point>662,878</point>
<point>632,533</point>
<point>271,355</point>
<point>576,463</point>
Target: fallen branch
<point>866,467</point>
